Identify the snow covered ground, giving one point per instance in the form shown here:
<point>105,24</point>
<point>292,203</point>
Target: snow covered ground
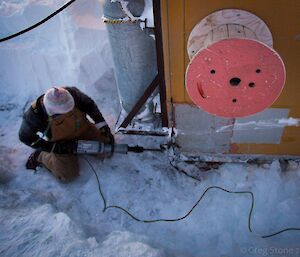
<point>40,216</point>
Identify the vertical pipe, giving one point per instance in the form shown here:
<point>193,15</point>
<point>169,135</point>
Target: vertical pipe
<point>133,51</point>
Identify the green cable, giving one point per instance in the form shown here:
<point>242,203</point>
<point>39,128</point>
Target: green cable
<point>190,211</point>
<point>98,181</point>
<point>281,231</point>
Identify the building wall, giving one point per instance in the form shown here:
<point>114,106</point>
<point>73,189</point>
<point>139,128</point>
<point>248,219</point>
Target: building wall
<point>282,17</point>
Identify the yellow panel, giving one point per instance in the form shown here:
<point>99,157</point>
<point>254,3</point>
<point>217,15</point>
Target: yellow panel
<point>281,16</point>
<point>176,54</point>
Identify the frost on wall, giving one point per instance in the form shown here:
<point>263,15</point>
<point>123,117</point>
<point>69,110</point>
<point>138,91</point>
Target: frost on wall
<point>71,49</point>
<point>146,18</point>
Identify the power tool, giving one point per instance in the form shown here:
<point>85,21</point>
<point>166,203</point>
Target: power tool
<point>98,148</point>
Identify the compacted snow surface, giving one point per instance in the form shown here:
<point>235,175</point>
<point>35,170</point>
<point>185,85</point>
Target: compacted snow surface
<point>40,216</point>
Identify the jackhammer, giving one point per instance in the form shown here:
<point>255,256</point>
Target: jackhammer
<point>98,148</point>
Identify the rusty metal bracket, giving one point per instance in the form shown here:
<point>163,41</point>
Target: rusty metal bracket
<point>160,61</point>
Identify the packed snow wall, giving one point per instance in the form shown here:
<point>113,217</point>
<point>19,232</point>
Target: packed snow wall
<point>70,49</point>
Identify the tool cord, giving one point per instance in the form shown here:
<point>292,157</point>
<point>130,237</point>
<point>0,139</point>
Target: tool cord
<point>38,23</point>
<point>190,211</point>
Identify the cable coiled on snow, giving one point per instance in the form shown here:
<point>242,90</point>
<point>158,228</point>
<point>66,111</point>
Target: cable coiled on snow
<point>190,211</point>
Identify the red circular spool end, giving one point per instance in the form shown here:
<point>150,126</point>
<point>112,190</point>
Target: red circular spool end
<point>235,78</point>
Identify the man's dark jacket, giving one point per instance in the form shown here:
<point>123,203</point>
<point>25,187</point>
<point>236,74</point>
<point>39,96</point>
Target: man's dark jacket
<point>35,119</point>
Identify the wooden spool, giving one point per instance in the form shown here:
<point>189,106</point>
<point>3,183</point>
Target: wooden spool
<point>233,72</point>
<point>228,23</point>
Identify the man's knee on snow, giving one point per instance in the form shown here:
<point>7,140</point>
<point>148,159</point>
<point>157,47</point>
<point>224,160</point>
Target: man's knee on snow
<point>63,166</point>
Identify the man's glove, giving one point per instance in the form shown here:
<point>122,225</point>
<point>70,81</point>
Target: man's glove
<point>105,131</point>
<point>64,147</point>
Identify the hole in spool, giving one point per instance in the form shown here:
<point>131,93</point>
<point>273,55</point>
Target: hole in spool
<point>258,71</point>
<point>234,100</point>
<point>212,71</point>
<point>251,84</point>
<point>235,81</point>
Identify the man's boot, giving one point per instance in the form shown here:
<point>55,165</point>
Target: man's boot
<point>32,162</point>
